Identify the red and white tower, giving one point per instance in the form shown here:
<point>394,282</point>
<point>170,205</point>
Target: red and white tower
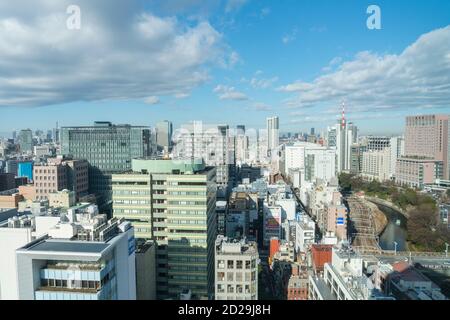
<point>343,124</point>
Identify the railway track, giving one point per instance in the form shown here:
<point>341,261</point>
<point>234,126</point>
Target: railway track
<point>363,234</point>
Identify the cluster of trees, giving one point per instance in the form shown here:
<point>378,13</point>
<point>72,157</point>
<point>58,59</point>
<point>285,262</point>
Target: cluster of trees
<point>424,229</point>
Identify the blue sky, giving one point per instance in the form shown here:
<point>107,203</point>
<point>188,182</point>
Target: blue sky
<point>224,61</point>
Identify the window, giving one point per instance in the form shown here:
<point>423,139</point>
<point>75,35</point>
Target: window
<point>230,276</point>
<point>230,264</point>
<point>239,264</point>
<point>247,264</point>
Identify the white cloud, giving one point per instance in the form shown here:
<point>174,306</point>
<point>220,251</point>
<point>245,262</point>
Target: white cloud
<point>259,82</point>
<point>419,76</point>
<point>152,100</point>
<point>182,95</point>
<point>120,52</point>
<point>262,83</point>
<point>229,93</point>
<point>292,36</point>
<point>234,5</point>
<point>259,106</point>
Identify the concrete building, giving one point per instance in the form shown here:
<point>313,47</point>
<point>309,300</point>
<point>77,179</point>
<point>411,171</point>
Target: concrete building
<point>10,199</point>
<point>305,230</point>
<point>94,262</point>
<point>173,202</point>
<point>273,134</point>
<point>346,136</point>
<point>343,278</point>
<point>164,132</point>
<point>416,173</point>
<point>298,285</point>
<point>109,149</point>
<point>397,151</point>
<point>377,143</point>
<point>62,199</point>
<point>213,144</point>
<point>7,181</point>
<point>236,265</point>
<point>377,165</point>
<point>25,141</point>
<point>357,152</point>
<point>316,161</point>
<point>272,222</point>
<point>426,137</point>
<point>146,270</point>
<point>49,179</point>
<point>320,255</point>
<point>42,151</point>
<point>13,235</point>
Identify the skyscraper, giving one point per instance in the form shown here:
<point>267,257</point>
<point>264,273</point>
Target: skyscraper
<point>164,131</point>
<point>426,151</point>
<point>173,202</point>
<point>273,134</point>
<point>108,148</point>
<point>427,137</point>
<point>213,144</point>
<point>26,141</point>
<point>346,136</point>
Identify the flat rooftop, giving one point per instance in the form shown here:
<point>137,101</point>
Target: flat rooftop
<point>68,246</point>
<point>325,292</point>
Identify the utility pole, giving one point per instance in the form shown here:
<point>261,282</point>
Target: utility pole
<point>395,247</point>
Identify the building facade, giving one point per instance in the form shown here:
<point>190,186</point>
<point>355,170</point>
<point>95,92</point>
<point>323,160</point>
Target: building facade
<point>173,203</point>
<point>108,148</point>
<point>236,265</point>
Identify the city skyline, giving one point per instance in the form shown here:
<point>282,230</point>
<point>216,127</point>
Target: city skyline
<point>260,59</point>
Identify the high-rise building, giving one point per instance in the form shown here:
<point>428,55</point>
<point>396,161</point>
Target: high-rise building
<point>236,264</point>
<point>397,151</point>
<point>356,161</point>
<point>25,140</point>
<point>173,202</point>
<point>213,144</point>
<point>164,132</point>
<point>377,164</point>
<point>315,160</point>
<point>377,143</point>
<point>426,151</point>
<point>273,134</point>
<point>109,149</point>
<point>346,136</point>
<point>427,137</point>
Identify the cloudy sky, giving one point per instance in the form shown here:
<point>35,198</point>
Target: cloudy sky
<point>223,61</point>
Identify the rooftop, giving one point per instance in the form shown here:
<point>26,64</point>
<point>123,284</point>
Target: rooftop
<point>67,246</point>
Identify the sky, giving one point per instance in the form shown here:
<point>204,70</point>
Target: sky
<point>223,61</point>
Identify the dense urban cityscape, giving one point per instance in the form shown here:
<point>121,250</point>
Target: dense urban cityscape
<point>211,212</point>
<point>224,156</point>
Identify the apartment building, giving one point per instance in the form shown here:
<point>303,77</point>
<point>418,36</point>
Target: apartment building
<point>236,265</point>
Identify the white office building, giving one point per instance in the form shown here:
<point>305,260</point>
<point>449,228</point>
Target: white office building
<point>273,134</point>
